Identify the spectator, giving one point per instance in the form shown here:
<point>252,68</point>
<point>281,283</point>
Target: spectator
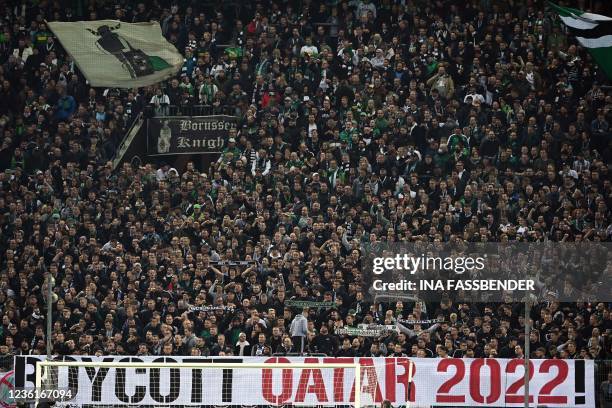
<point>66,105</point>
<point>299,330</point>
<point>160,102</point>
<point>605,391</point>
<point>243,347</point>
<point>394,123</point>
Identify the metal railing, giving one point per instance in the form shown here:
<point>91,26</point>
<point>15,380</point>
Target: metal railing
<point>602,369</point>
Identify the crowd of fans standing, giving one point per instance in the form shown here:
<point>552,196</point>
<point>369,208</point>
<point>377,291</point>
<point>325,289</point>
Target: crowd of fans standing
<point>360,121</point>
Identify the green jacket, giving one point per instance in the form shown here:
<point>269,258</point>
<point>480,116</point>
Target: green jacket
<point>347,135</point>
<point>454,140</point>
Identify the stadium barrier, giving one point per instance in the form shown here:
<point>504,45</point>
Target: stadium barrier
<point>433,382</point>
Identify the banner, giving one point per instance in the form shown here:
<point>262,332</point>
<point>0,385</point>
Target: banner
<point>440,382</point>
<point>115,54</point>
<point>189,134</point>
<point>309,303</point>
<point>211,308</point>
<point>426,321</point>
<point>382,327</point>
<point>359,331</point>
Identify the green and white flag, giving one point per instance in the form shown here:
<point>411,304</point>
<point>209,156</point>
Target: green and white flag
<point>114,54</point>
<point>593,31</point>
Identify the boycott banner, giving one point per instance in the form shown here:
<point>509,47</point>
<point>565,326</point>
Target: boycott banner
<point>188,134</point>
<point>438,382</point>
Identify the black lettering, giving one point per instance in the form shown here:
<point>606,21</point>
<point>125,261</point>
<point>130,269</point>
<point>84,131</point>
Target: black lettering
<point>73,376</point>
<point>97,377</point>
<point>20,370</point>
<point>196,379</point>
<point>228,379</point>
<point>140,390</point>
<point>227,385</point>
<point>154,382</point>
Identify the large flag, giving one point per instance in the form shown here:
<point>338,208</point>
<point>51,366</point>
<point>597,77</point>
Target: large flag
<point>119,55</point>
<point>593,31</point>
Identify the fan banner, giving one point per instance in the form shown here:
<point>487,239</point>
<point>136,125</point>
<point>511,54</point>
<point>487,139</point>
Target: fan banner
<point>189,134</point>
<point>439,382</point>
<point>115,54</point>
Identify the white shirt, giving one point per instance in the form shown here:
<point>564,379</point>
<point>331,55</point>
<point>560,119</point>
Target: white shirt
<point>311,127</point>
<point>309,49</point>
<point>162,175</point>
<point>160,99</point>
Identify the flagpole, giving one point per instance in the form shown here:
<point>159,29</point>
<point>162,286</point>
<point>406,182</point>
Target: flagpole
<point>530,300</point>
<point>49,288</point>
<point>526,352</point>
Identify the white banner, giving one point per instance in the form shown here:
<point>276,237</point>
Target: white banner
<point>436,382</point>
<point>115,54</point>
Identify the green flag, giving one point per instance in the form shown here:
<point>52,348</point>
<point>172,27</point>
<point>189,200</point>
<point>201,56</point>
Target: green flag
<point>593,31</point>
<point>432,67</point>
<point>234,52</point>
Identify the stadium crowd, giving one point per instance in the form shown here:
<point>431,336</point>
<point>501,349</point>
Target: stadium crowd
<point>360,121</point>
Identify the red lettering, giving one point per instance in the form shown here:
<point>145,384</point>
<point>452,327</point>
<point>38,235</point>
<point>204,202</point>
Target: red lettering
<point>513,396</point>
<point>406,379</point>
<point>317,387</point>
<point>369,386</point>
<point>444,394</point>
<point>338,375</point>
<point>390,378</point>
<point>494,380</point>
<point>548,388</point>
<point>267,382</point>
